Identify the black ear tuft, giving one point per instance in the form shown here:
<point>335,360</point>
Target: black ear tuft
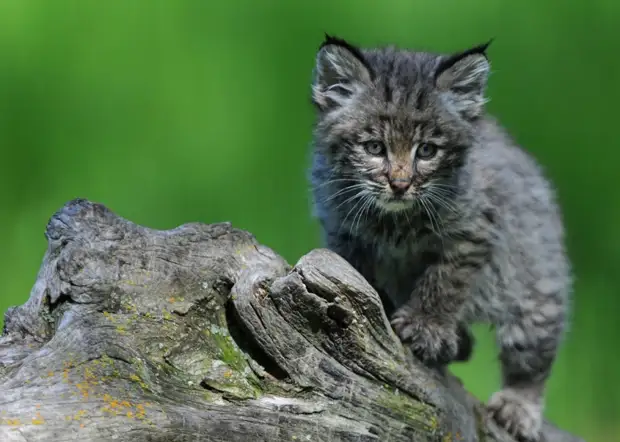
<point>333,40</point>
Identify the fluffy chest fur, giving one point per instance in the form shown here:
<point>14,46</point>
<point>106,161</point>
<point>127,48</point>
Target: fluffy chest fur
<point>395,269</point>
<point>394,253</point>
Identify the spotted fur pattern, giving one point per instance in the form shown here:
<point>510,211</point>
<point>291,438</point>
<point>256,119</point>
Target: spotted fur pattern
<point>452,223</point>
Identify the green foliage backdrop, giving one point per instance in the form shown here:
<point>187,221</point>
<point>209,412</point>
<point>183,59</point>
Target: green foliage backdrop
<point>179,111</point>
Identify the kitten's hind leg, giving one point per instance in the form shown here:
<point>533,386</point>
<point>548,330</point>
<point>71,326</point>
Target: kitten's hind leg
<point>528,349</point>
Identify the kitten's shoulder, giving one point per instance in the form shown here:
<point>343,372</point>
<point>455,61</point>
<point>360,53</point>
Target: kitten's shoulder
<point>498,153</point>
<point>499,167</point>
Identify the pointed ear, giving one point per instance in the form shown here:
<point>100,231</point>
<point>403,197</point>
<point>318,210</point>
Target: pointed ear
<point>462,79</point>
<point>340,72</point>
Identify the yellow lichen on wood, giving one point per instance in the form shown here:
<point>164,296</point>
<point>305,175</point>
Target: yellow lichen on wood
<point>38,419</point>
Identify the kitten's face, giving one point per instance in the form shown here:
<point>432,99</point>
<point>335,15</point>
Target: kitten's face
<point>394,126</point>
<point>398,159</point>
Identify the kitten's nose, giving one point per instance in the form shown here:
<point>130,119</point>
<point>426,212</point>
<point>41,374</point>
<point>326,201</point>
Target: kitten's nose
<point>400,185</point>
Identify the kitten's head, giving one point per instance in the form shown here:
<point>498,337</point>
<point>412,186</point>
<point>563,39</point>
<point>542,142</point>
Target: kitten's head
<point>395,125</point>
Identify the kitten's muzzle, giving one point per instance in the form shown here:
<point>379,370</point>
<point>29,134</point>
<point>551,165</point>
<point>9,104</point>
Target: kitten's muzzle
<point>399,185</point>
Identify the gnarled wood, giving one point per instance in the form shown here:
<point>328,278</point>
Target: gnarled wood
<point>201,333</point>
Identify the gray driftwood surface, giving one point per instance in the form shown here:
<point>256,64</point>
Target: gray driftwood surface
<point>200,333</point>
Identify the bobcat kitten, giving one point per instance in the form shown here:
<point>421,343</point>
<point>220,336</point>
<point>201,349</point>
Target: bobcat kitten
<point>451,222</point>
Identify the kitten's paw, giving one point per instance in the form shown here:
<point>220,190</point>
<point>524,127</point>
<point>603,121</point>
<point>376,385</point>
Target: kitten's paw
<point>519,416</point>
<point>431,341</point>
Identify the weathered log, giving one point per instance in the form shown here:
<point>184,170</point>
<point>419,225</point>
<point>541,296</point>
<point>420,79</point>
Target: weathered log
<point>202,333</point>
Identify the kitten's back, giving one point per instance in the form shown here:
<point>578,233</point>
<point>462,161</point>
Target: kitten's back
<point>508,182</point>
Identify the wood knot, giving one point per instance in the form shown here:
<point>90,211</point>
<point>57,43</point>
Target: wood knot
<point>341,315</point>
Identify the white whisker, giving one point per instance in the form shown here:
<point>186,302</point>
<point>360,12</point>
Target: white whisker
<point>360,195</point>
<point>357,195</point>
<point>435,195</point>
<point>344,190</point>
<point>367,204</point>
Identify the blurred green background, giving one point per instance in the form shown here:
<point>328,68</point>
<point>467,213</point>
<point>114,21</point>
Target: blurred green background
<point>171,112</point>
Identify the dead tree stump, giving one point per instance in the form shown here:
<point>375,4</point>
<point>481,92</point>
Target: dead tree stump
<point>200,333</point>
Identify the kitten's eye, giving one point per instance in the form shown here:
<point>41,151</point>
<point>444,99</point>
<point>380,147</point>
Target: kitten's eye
<point>375,147</point>
<point>426,151</point>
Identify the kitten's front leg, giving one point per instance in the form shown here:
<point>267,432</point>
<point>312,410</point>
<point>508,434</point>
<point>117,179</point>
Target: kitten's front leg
<point>430,322</point>
<point>432,339</point>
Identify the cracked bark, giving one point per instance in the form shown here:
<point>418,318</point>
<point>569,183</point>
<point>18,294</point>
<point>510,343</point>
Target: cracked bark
<point>202,333</point>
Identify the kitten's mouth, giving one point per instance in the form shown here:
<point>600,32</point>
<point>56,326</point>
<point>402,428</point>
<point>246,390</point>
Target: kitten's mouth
<point>394,203</point>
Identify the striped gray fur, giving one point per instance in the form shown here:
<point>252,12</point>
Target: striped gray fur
<point>439,209</point>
